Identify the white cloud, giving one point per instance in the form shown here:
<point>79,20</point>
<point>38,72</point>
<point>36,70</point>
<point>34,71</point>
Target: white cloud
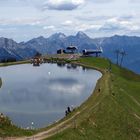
<point>62,4</point>
<point>67,23</point>
<point>102,1</point>
<point>135,1</point>
<point>36,21</point>
<point>51,27</point>
<point>84,27</point>
<point>21,21</point>
<point>117,24</point>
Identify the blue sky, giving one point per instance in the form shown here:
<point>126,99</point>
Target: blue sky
<point>26,19</point>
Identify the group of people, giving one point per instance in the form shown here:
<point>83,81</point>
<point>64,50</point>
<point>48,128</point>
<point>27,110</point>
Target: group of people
<point>68,111</point>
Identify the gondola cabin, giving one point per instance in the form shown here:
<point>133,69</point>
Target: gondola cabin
<point>92,52</point>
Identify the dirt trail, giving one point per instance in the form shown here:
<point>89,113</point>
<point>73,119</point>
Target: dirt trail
<point>45,134</point>
<point>52,131</point>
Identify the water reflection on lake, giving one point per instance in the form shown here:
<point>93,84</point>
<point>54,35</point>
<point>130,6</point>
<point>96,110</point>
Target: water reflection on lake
<point>41,94</point>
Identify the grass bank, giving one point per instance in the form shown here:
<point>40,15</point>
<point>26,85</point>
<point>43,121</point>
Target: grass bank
<point>111,113</point>
<point>7,129</point>
<point>14,63</point>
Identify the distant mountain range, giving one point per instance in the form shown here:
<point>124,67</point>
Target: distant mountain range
<point>25,50</point>
<point>11,49</point>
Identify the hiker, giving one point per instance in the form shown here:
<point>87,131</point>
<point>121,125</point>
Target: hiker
<point>66,113</point>
<point>69,110</point>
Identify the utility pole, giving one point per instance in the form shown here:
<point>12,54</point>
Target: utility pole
<point>123,53</point>
<point>117,55</point>
<point>110,65</point>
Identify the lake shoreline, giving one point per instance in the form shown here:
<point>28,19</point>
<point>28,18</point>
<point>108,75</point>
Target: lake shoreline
<point>60,61</point>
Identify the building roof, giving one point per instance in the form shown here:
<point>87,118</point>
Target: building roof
<point>72,48</point>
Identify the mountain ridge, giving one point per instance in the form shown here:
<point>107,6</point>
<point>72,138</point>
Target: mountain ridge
<point>50,45</point>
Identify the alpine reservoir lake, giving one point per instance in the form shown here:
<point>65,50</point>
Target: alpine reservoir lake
<point>38,96</point>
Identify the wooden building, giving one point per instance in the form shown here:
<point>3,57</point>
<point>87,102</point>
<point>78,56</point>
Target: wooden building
<point>61,51</point>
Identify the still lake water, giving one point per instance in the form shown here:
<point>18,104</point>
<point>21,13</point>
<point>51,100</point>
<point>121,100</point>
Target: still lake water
<point>42,94</point>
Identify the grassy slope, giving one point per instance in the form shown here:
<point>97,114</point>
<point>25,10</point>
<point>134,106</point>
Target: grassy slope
<point>111,114</point>
<point>7,129</point>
